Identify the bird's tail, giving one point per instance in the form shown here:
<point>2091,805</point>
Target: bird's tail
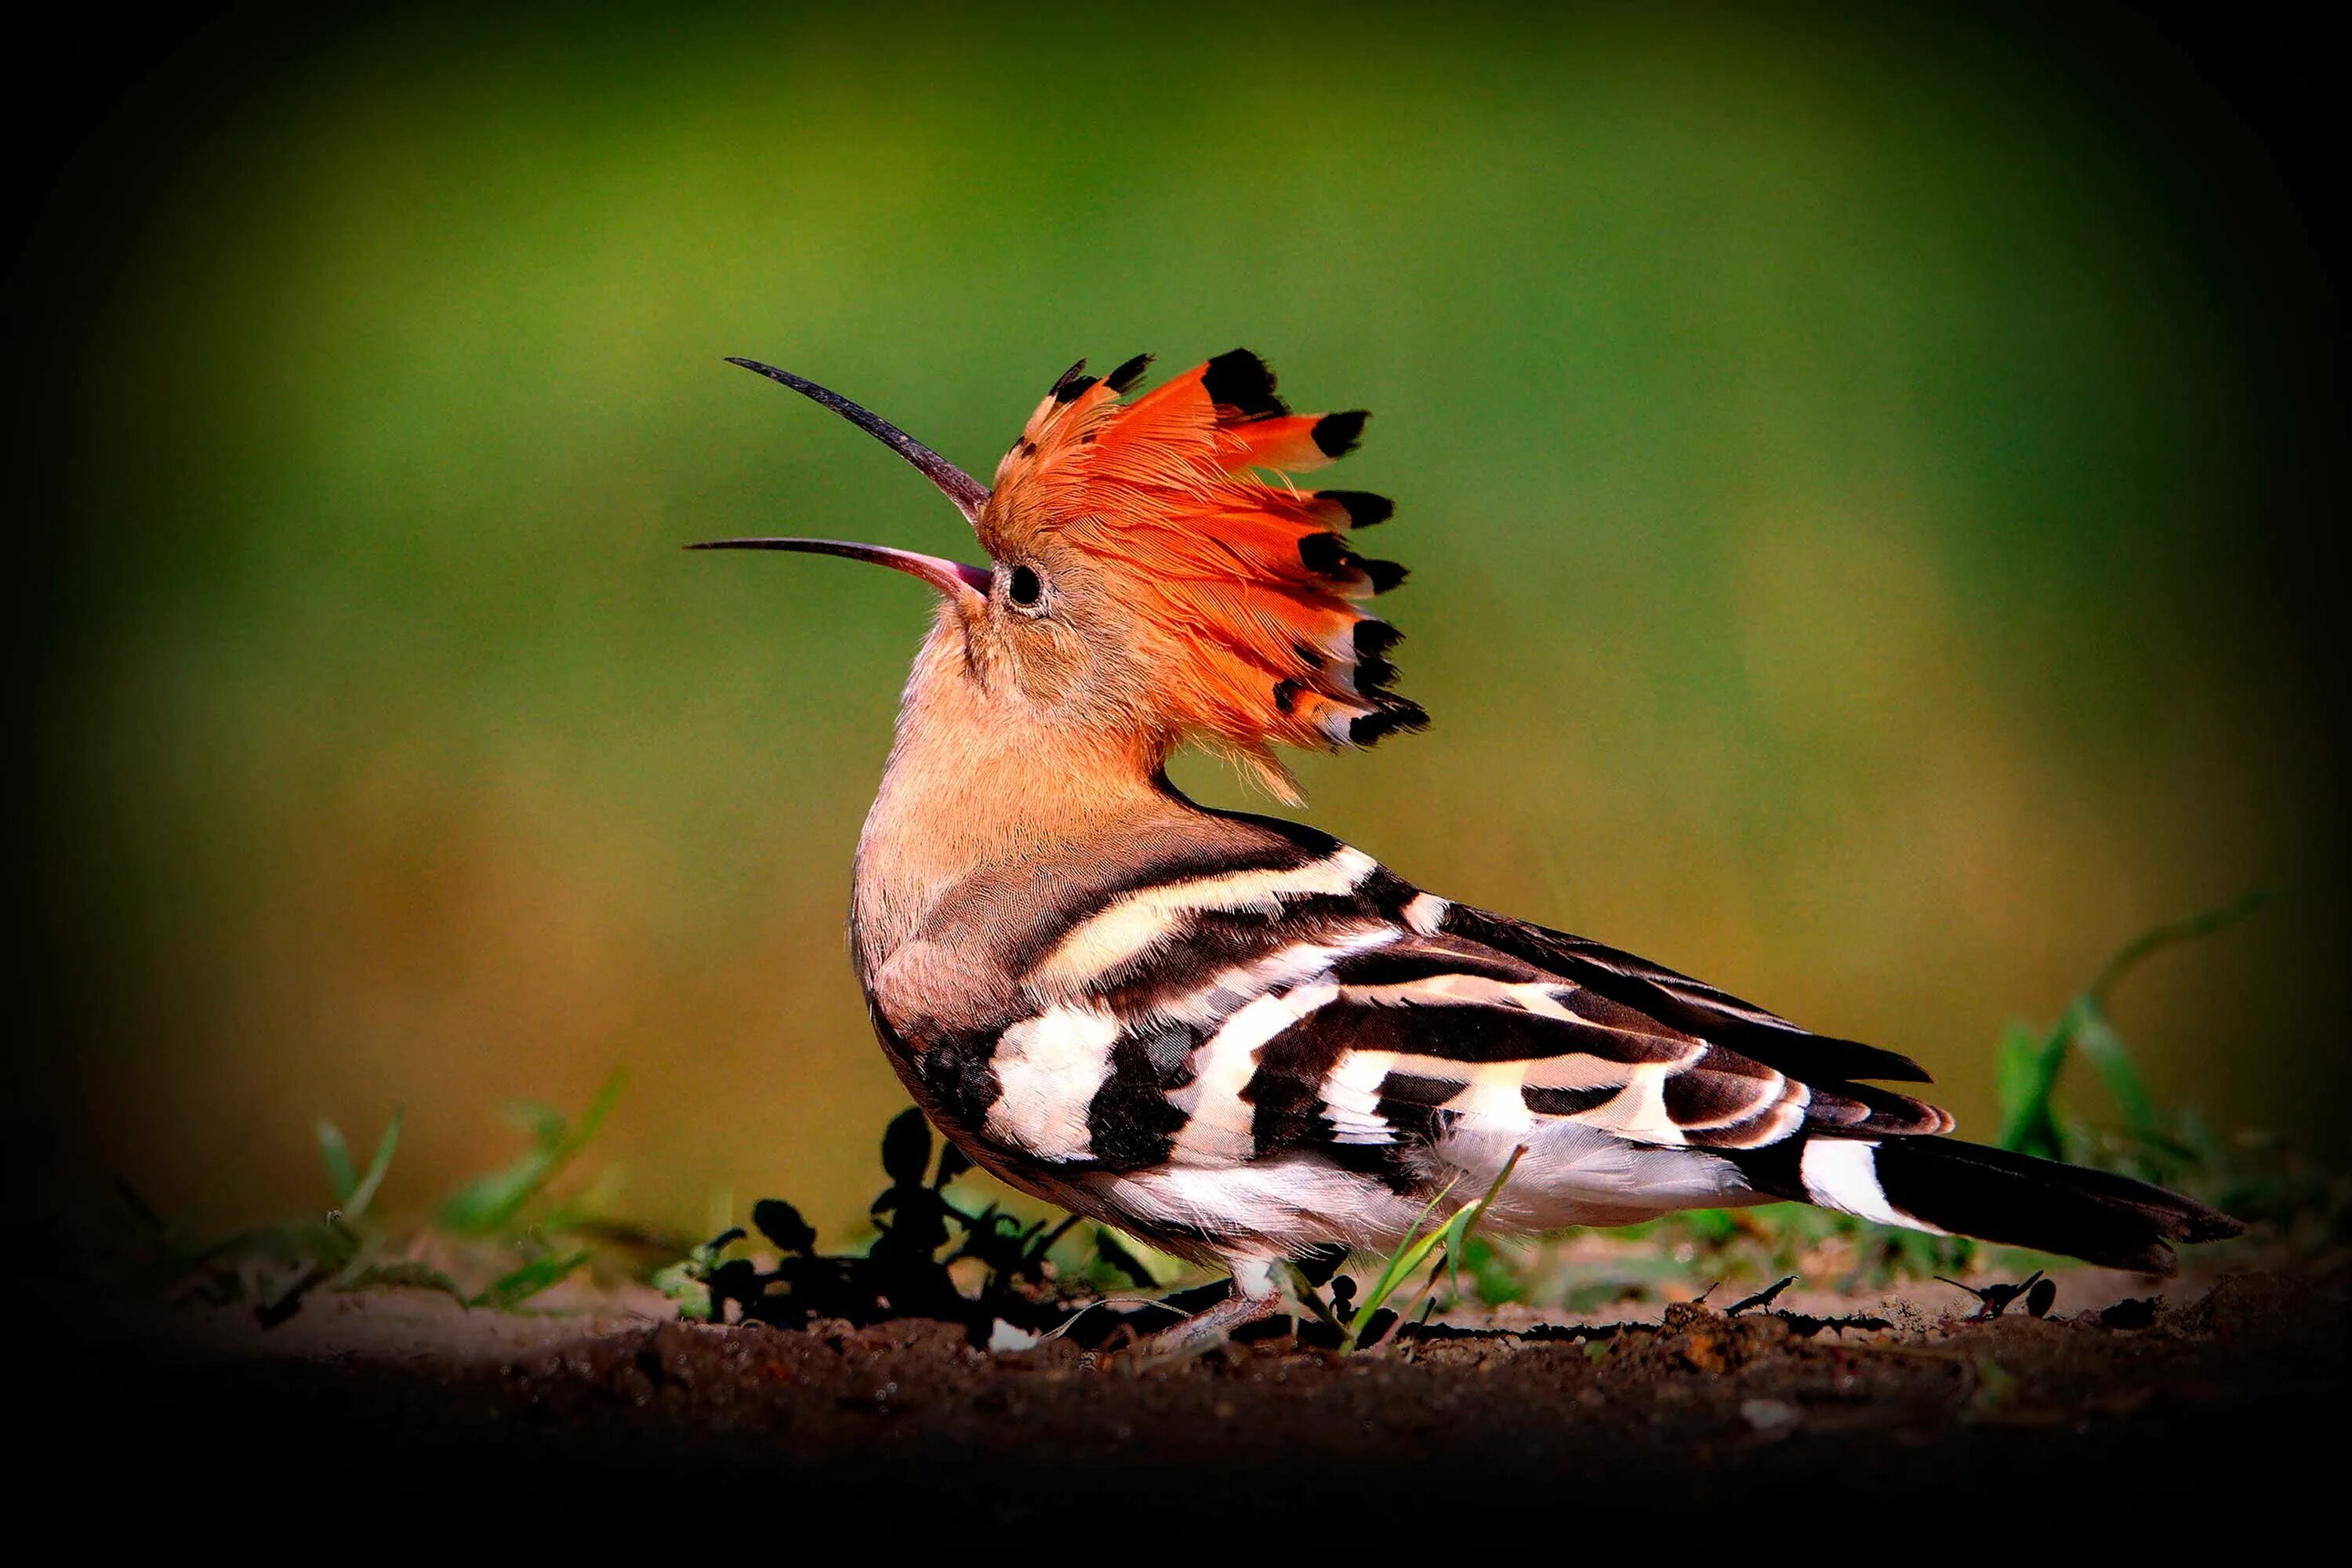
<point>1967,1189</point>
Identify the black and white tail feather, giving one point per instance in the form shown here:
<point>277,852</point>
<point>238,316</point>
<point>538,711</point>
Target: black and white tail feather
<point>1279,1045</point>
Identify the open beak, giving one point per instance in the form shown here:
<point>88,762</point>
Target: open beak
<point>950,577</point>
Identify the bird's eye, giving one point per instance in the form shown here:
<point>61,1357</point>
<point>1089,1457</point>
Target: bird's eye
<point>1026,588</point>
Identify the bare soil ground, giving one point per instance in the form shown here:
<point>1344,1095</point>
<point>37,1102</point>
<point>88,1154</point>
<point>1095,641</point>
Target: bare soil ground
<point>2228,1390</point>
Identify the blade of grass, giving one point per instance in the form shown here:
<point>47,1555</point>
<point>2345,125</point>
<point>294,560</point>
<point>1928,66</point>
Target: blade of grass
<point>487,1202</point>
<point>490,1202</point>
<point>1416,1247</point>
<point>355,1203</point>
<point>2028,1076</point>
<point>548,1268</point>
<point>2029,1068</point>
<point>1407,1258</point>
<point>341,1176</point>
<point>2149,944</point>
<point>1465,1220</point>
<point>2097,1038</point>
<point>542,1122</point>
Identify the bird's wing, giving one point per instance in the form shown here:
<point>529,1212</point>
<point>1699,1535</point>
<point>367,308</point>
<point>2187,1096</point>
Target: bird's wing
<point>1681,1002</point>
<point>1405,1041</point>
<point>1252,1054</point>
<point>1220,1017</point>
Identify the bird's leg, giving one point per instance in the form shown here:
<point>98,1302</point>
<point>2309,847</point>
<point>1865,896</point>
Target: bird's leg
<point>1255,1295</point>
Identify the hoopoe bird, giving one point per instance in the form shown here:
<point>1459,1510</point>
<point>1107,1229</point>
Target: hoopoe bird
<point>1237,1037</point>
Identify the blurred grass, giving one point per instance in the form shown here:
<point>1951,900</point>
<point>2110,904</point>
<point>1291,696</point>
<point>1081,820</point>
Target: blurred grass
<point>1825,448</point>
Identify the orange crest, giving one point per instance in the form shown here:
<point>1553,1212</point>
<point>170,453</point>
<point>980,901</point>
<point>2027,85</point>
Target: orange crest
<point>1248,583</point>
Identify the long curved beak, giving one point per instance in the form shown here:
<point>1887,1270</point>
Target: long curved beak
<point>968,493</point>
<point>953,578</point>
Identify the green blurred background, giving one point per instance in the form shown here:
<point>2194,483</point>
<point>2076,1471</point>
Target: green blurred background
<point>1839,459</point>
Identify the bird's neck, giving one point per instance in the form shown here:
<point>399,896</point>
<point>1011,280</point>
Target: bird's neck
<point>977,780</point>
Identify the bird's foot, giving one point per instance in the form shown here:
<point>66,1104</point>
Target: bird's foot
<point>1254,1295</point>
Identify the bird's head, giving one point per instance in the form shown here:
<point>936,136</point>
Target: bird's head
<point>1148,579</point>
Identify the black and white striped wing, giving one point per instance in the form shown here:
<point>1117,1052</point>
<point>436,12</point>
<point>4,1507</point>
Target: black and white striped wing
<point>1426,1039</point>
<point>1219,1019</point>
<point>1245,1060</point>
